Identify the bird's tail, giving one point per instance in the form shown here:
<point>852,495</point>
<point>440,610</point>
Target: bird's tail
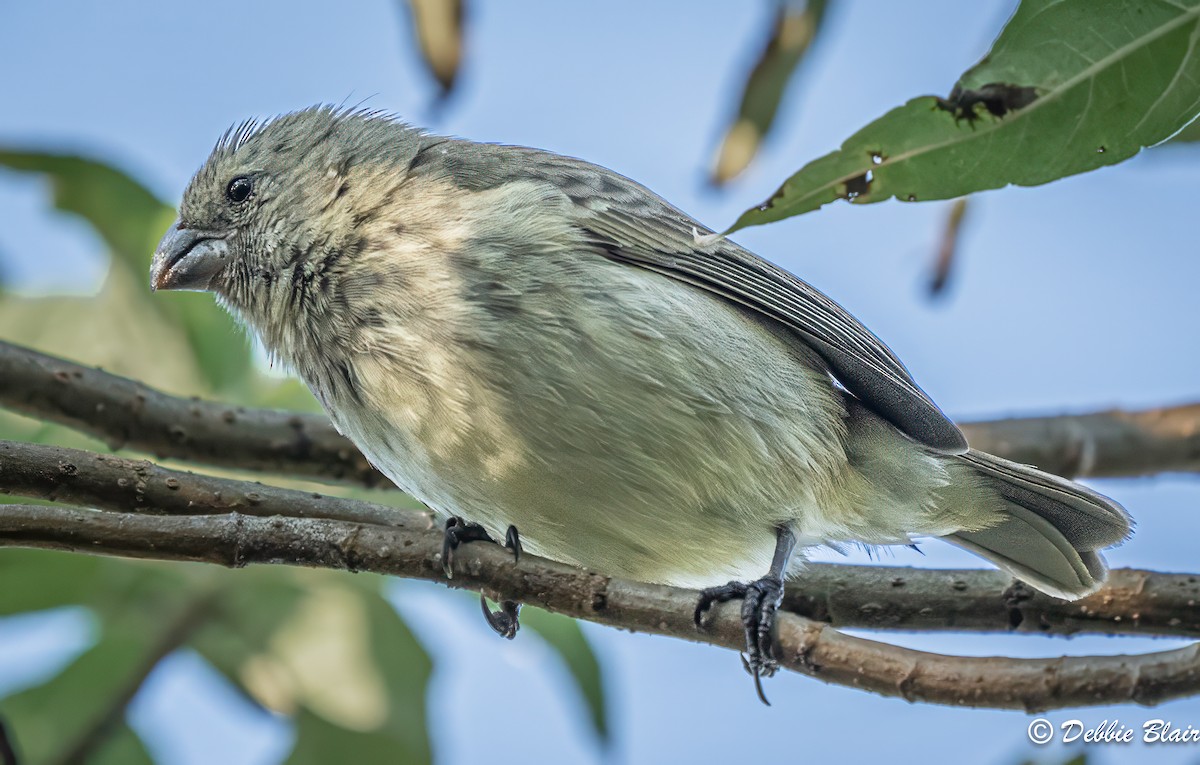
<point>1051,530</point>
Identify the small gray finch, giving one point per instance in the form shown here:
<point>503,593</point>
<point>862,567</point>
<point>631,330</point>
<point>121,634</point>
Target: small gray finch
<point>533,342</point>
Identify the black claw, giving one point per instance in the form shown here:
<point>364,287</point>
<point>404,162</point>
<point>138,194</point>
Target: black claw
<point>458,532</point>
<point>506,621</point>
<point>760,600</point>
<point>757,680</point>
<point>512,540</point>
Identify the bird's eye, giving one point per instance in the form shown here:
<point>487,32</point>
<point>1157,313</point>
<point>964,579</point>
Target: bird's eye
<point>239,189</point>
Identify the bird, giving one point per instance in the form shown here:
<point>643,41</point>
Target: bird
<point>544,351</point>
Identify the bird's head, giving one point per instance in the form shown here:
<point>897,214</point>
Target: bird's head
<point>278,205</point>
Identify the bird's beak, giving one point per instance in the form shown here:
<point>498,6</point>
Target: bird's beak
<point>188,259</point>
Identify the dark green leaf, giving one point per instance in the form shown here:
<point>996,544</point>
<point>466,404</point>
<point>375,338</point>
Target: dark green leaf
<point>320,742</point>
<point>565,637</point>
<point>1069,86</point>
<point>331,653</point>
<point>121,747</point>
<point>37,580</point>
<point>244,622</point>
<point>1189,134</point>
<point>384,721</point>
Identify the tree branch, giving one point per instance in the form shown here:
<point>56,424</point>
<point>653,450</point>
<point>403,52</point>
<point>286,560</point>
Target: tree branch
<point>173,515</point>
<point>1132,602</point>
<point>124,413</point>
<point>1112,444</point>
<point>804,646</point>
<point>127,414</point>
<point>872,597</point>
<point>107,481</point>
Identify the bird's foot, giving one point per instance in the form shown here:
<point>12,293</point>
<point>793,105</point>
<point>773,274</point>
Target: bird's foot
<point>460,532</point>
<point>760,600</point>
<point>505,621</point>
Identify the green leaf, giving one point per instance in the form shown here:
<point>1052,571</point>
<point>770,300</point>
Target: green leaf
<point>1069,86</point>
<point>792,32</point>
<point>103,328</point>
<point>1189,134</point>
<point>130,220</point>
<point>371,718</point>
<point>63,713</point>
<point>38,580</point>
<point>332,654</point>
<point>125,213</point>
<point>320,742</point>
<point>567,639</point>
<point>242,626</point>
<point>121,747</point>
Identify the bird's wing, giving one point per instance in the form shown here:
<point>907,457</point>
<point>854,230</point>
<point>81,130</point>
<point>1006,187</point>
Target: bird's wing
<point>632,225</point>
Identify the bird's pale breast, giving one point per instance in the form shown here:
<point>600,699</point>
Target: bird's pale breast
<point>620,420</point>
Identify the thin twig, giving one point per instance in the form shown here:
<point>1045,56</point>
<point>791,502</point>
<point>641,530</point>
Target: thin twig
<point>804,646</point>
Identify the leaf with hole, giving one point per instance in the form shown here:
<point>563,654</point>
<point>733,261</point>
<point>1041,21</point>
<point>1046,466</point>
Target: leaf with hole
<point>1069,86</point>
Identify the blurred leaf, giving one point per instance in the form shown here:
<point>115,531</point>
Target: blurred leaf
<point>564,636</point>
<point>241,629</point>
<point>82,708</point>
<point>51,718</point>
<point>127,216</point>
<point>947,252</point>
<point>1069,86</point>
<point>38,580</point>
<point>439,27</point>
<point>320,742</point>
<point>395,731</point>
<point>121,747</point>
<point>332,654</point>
<point>793,30</point>
<point>130,219</point>
<point>117,329</point>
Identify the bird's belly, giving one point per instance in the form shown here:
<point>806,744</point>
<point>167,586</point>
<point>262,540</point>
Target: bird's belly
<point>663,448</point>
<point>668,511</point>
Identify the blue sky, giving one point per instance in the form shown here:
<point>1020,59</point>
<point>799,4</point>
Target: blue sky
<point>1075,295</point>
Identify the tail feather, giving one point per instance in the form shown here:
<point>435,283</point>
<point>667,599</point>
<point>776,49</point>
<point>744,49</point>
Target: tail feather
<point>1052,529</point>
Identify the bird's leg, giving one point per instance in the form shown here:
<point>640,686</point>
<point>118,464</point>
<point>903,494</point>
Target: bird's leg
<point>505,621</point>
<point>760,600</point>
